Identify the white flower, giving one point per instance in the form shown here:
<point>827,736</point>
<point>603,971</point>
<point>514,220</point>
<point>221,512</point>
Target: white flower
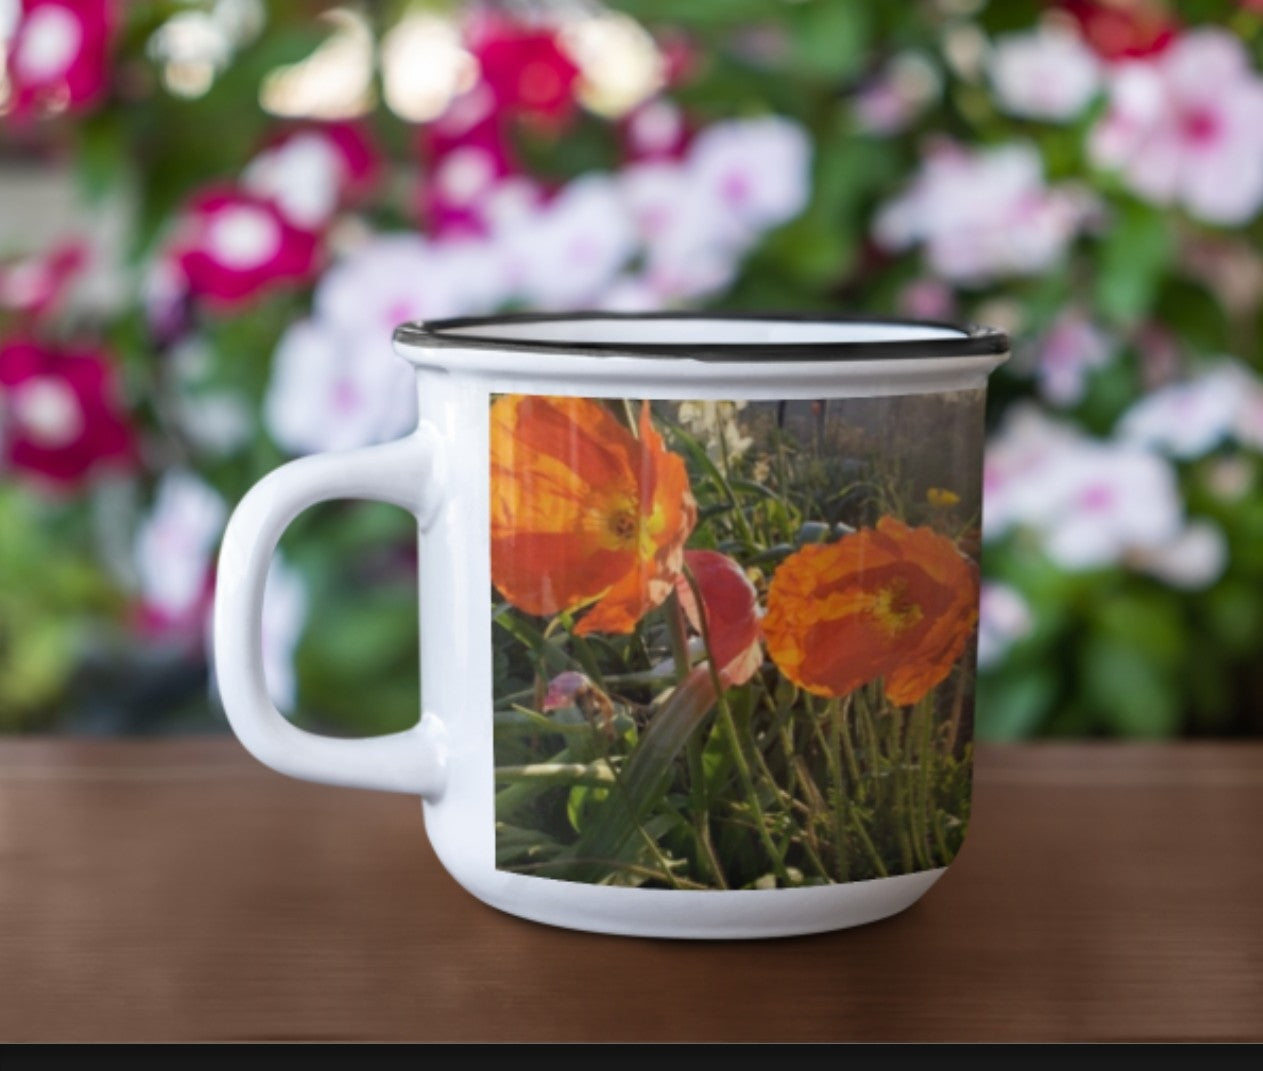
<point>175,543</point>
<point>982,215</point>
<point>1186,127</point>
<point>1015,464</point>
<point>332,390</point>
<point>214,420</point>
<point>386,281</point>
<point>1004,618</point>
<point>1189,419</point>
<point>1089,503</point>
<point>1103,501</point>
<point>757,170</point>
<point>1044,73</point>
<point>697,217</point>
<point>565,255</point>
<point>691,247</point>
<point>303,175</point>
<point>715,425</point>
<point>1194,559</point>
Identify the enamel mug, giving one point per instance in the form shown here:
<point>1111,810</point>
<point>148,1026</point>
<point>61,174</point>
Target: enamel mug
<point>698,614</point>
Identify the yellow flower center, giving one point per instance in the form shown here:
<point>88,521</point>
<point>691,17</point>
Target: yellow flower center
<point>622,525</point>
<point>894,609</point>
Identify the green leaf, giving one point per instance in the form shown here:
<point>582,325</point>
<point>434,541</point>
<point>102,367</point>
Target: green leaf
<point>1135,253</point>
<point>645,777</point>
<point>1129,691</point>
<point>1015,705</point>
<point>1196,315</point>
<point>831,38</point>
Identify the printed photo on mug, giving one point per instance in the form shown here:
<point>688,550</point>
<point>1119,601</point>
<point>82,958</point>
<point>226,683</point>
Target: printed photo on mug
<point>733,641</point>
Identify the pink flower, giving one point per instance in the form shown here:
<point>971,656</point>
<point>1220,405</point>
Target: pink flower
<point>527,71</point>
<point>1193,560</point>
<point>36,284</point>
<point>60,417</point>
<point>757,170</point>
<point>982,215</point>
<point>311,171</point>
<point>1045,73</point>
<point>698,216</point>
<point>731,611</point>
<point>655,130</point>
<point>1186,127</point>
<point>59,55</point>
<point>565,254</point>
<point>927,299</point>
<point>173,556</point>
<point>1190,418</point>
<point>897,95</point>
<point>1089,503</point>
<point>233,246</point>
<point>1071,349</point>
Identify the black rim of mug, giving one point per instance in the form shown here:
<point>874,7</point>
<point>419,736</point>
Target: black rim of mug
<point>970,340</point>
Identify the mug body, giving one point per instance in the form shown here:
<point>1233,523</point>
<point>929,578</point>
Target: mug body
<point>699,610</point>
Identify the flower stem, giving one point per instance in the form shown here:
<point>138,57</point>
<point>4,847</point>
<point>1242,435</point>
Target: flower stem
<point>699,804</point>
<point>677,634</point>
<point>839,711</point>
<point>734,740</point>
<point>918,741</point>
<point>838,744</point>
<point>899,775</point>
<point>958,707</point>
<point>927,774</point>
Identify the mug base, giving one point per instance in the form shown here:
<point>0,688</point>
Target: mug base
<point>704,915</point>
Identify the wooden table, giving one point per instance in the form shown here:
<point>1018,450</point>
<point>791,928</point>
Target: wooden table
<point>178,890</point>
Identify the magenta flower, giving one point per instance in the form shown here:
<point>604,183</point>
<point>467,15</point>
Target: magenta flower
<point>527,71</point>
<point>1186,127</point>
<point>60,417</point>
<point>468,163</point>
<point>232,246</point>
<point>59,56</point>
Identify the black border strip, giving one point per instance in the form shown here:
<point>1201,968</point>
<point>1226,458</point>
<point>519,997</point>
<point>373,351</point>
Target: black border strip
<point>975,339</point>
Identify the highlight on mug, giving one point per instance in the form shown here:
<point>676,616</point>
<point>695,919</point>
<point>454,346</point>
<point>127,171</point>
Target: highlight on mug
<point>733,643</point>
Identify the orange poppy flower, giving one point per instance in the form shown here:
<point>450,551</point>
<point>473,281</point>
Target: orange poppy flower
<point>583,512</point>
<point>893,602</point>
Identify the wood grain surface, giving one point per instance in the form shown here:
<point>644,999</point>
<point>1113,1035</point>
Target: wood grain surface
<point>176,890</point>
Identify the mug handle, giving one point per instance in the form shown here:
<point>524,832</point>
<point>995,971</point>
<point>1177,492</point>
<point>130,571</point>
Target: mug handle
<point>406,472</point>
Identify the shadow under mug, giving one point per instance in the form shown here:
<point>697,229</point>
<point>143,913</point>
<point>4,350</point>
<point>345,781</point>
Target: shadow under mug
<point>698,602</point>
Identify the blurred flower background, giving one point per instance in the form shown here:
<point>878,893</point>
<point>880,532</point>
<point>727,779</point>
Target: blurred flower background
<point>213,213</point>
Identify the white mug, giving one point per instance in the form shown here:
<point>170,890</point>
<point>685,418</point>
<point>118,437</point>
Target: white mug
<point>698,597</point>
